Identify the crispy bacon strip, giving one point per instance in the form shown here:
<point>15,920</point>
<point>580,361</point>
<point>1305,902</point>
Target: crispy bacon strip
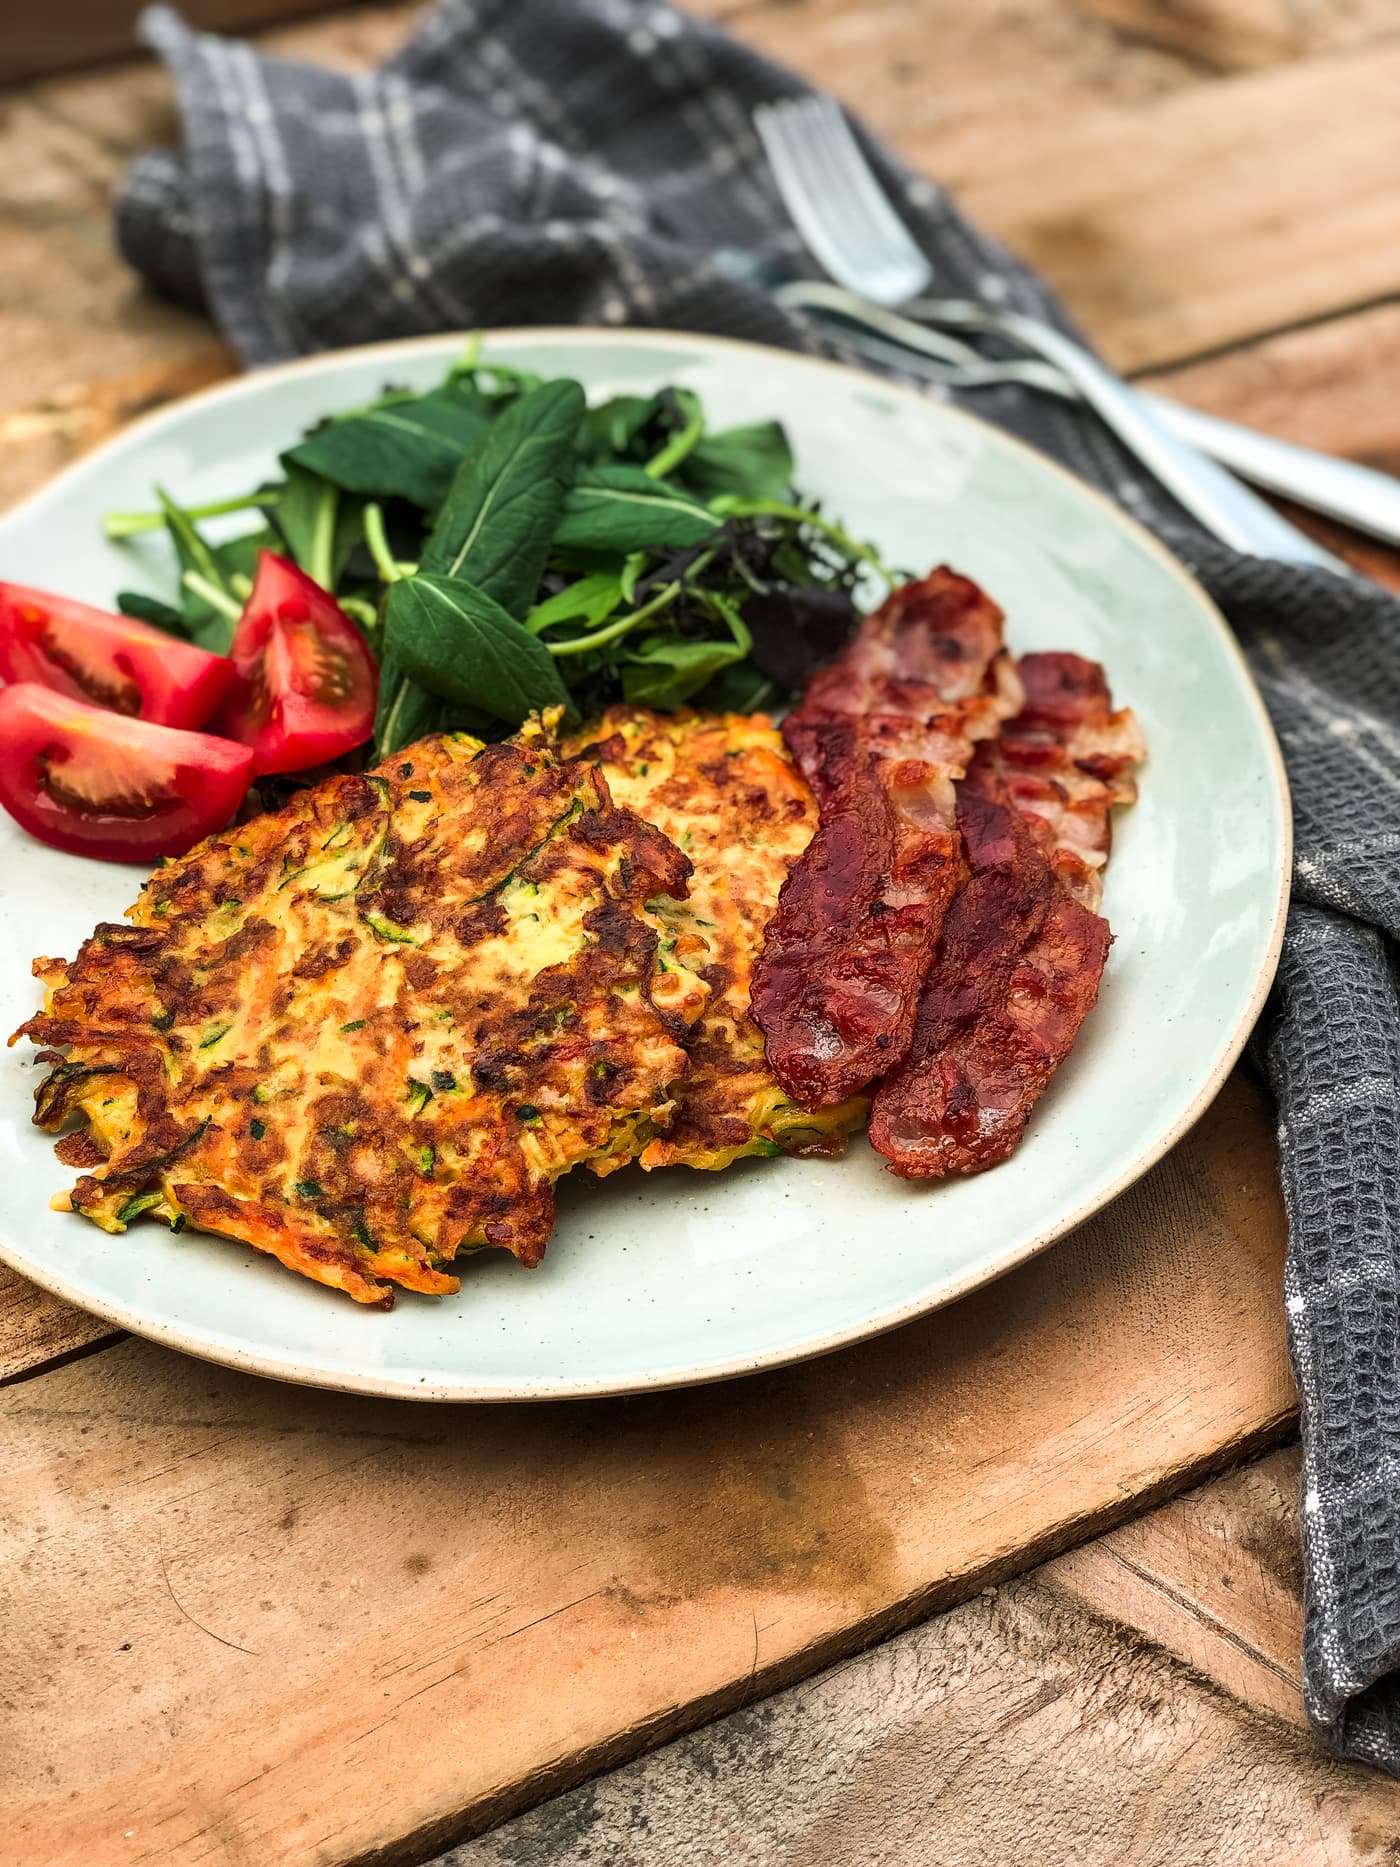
<point>1066,761</point>
<point>1017,972</point>
<point>1022,950</point>
<point>882,736</point>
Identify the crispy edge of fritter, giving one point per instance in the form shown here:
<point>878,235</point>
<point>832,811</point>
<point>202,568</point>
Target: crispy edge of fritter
<point>714,1125</point>
<point>327,1259</point>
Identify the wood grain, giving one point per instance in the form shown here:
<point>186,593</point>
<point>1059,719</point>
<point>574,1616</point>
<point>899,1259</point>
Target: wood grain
<point>257,1624</point>
<point>1047,1721</point>
<point>1171,230</point>
<point>1242,34</point>
<point>40,38</point>
<point>1229,34</point>
<point>1148,191</point>
<point>1316,386</point>
<point>1215,1577</point>
<point>38,1330</point>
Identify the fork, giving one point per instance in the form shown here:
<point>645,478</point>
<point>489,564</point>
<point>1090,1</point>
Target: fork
<point>851,227</point>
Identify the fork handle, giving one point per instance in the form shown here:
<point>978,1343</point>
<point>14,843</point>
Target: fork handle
<point>1340,489</point>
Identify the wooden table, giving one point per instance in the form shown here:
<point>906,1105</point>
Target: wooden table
<point>257,1625</point>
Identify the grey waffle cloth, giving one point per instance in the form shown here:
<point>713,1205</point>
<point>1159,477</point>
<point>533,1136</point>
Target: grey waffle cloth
<point>551,161</point>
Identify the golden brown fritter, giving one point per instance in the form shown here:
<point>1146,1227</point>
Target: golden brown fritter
<point>370,1031</point>
<point>724,789</point>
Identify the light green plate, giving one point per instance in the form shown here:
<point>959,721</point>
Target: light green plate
<point>683,1276</point>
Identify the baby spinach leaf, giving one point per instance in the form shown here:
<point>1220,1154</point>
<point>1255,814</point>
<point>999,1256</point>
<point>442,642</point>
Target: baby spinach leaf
<point>406,711</point>
<point>150,609</point>
<point>239,556</point>
<point>457,641</point>
<point>625,509</point>
<point>208,622</point>
<point>754,462</point>
<point>591,599</point>
<point>609,430</point>
<point>495,383</point>
<point>398,449</point>
<point>665,672</point>
<point>685,416</point>
<point>503,506</point>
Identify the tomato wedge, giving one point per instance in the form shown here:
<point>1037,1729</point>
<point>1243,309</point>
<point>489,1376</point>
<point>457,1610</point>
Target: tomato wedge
<point>305,682</point>
<point>110,661</point>
<point>97,784</point>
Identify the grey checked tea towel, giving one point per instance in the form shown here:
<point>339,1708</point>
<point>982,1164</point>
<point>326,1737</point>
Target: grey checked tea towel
<point>582,160</point>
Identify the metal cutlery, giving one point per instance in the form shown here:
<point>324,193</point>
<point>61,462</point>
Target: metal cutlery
<point>849,224</point>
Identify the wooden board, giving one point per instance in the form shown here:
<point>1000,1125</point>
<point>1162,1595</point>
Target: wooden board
<point>1084,1716</point>
<point>40,37</point>
<point>38,1330</point>
<point>1227,35</point>
<point>255,1624</point>
<point>1144,186</point>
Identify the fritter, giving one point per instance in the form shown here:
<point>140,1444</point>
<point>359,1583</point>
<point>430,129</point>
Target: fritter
<point>371,1031</point>
<point>724,789</point>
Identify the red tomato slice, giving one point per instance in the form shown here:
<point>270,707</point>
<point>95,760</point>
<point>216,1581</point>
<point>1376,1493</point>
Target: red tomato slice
<point>305,683</point>
<point>97,784</point>
<point>110,661</point>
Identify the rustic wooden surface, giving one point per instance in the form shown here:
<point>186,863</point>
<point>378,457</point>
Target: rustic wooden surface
<point>1087,1715</point>
<point>40,1331</point>
<point>174,1528</point>
<point>528,1591</point>
<point>40,37</point>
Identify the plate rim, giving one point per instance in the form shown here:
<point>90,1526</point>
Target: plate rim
<point>380,1385</point>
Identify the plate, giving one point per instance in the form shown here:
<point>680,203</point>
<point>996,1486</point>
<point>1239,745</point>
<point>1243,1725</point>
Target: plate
<point>681,1276</point>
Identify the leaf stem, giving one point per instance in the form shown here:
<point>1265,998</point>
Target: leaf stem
<point>361,609</point>
<point>676,449</point>
<point>732,505</point>
<point>321,557</point>
<point>388,566</point>
<point>469,359</point>
<point>212,594</point>
<point>613,630</point>
<point>128,524</point>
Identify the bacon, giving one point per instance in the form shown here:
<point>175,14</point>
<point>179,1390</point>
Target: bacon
<point>1065,760</point>
<point>1017,972</point>
<point>1022,949</point>
<point>882,736</point>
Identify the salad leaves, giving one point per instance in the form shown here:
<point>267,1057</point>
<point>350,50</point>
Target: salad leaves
<point>504,547</point>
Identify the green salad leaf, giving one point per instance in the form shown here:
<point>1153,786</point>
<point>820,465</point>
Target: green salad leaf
<point>505,548</point>
<point>458,642</point>
<point>754,462</point>
<point>502,509</point>
<point>626,509</point>
<point>665,672</point>
<point>401,449</point>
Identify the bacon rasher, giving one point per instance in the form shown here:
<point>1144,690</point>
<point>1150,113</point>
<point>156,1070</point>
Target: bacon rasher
<point>1066,761</point>
<point>882,736</point>
<point>1022,949</point>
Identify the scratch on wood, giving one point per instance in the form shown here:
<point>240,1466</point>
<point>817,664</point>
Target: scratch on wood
<point>1201,1614</point>
<point>540,1619</point>
<point>165,1577</point>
